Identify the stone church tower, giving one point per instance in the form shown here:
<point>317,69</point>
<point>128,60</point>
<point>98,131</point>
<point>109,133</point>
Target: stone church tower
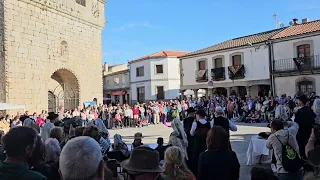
<point>51,53</point>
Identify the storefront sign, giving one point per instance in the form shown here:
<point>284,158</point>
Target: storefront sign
<point>118,93</point>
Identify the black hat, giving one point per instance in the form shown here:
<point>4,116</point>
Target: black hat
<point>201,113</point>
<point>191,110</point>
<point>143,160</point>
<point>52,116</point>
<point>303,99</point>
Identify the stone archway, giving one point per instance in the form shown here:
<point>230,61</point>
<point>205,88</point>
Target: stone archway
<point>63,91</point>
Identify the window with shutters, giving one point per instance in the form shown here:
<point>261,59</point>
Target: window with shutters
<point>236,60</point>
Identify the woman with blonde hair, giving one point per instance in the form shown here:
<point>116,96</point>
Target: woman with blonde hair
<point>175,166</point>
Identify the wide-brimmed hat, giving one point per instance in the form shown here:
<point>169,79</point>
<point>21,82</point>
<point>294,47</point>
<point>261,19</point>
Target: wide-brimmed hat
<point>191,110</point>
<point>52,116</point>
<point>144,160</point>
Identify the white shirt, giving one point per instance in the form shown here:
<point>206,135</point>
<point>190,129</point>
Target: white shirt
<point>232,126</point>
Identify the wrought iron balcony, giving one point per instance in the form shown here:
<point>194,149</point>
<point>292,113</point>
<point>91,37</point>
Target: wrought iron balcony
<point>218,74</point>
<point>310,64</point>
<point>236,72</point>
<point>201,75</point>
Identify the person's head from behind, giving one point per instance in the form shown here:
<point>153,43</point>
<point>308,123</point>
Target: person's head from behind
<point>137,138</point>
<point>160,141</point>
<point>93,132</point>
<point>57,132</point>
<point>217,139</point>
<point>38,155</point>
<point>276,125</point>
<point>81,158</point>
<point>79,131</point>
<point>262,174</point>
<point>175,166</point>
<point>302,100</point>
<point>200,114</point>
<point>19,143</point>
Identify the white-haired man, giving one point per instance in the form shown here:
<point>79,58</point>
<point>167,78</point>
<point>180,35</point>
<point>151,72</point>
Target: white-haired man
<point>81,158</point>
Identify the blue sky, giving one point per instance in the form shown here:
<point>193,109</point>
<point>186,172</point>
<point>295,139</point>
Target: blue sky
<point>137,28</point>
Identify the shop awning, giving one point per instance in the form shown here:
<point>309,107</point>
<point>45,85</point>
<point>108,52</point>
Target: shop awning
<point>5,106</point>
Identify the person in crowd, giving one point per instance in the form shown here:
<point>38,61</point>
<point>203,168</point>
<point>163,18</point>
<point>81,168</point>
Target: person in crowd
<point>262,174</point>
<point>316,110</point>
<point>83,117</point>
<point>16,122</point>
<point>175,166</point>
<point>313,154</point>
<point>47,127</point>
<point>178,137</point>
<point>135,112</point>
<point>187,124</point>
<point>19,144</point>
<point>277,139</point>
<point>4,125</point>
<point>218,162</point>
<point>86,163</point>
<point>2,152</point>
<point>161,148</point>
<point>119,145</point>
<point>40,121</point>
<point>143,164</point>
<point>128,115</point>
<point>156,113</point>
<point>37,161</point>
<point>142,112</point>
<point>137,140</point>
<point>226,124</point>
<point>93,132</point>
<point>199,130</point>
<point>280,112</point>
<point>305,119</point>
<point>52,144</point>
<point>118,119</point>
<point>78,131</point>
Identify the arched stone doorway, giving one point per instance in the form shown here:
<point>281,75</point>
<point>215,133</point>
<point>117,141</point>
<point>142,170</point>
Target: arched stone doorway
<point>63,92</point>
<point>221,91</point>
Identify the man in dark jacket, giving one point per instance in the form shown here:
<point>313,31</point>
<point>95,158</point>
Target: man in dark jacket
<point>226,124</point>
<point>305,119</point>
<point>19,144</point>
<point>187,124</point>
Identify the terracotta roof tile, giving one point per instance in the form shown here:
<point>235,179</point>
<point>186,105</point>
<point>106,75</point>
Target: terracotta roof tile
<point>237,42</point>
<point>159,55</point>
<point>298,29</point>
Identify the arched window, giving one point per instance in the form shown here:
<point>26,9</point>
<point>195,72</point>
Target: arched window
<point>303,50</point>
<point>64,48</point>
<point>305,87</point>
<point>218,63</point>
<point>236,60</point>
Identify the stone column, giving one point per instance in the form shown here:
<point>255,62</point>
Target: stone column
<point>248,90</point>
<point>121,99</point>
<point>228,91</point>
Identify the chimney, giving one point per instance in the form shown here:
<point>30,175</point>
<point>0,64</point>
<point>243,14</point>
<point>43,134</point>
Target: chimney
<point>295,21</point>
<point>305,20</point>
<point>105,68</point>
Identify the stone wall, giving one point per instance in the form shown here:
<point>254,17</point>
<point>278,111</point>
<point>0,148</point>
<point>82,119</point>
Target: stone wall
<point>43,36</point>
<point>2,64</point>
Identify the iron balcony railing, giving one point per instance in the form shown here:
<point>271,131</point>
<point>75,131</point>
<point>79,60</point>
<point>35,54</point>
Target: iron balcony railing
<point>236,72</point>
<point>218,74</point>
<point>201,75</point>
<point>296,64</point>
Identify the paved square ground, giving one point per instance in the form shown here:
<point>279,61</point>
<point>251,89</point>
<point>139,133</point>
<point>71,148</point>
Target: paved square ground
<point>240,139</point>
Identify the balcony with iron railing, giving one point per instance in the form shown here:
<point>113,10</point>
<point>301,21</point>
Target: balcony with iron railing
<point>236,72</point>
<point>297,65</point>
<point>218,74</point>
<point>201,75</point>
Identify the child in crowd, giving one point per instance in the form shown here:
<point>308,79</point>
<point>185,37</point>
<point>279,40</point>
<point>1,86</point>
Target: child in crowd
<point>118,119</point>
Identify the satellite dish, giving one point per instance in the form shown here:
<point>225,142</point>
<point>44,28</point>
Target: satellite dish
<point>281,25</point>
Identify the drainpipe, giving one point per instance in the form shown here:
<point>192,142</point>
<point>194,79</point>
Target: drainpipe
<point>271,66</point>
<point>130,95</point>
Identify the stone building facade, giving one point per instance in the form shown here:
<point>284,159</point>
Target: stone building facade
<point>51,55</point>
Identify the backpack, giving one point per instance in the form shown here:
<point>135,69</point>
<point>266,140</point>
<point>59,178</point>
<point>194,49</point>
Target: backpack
<point>290,161</point>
